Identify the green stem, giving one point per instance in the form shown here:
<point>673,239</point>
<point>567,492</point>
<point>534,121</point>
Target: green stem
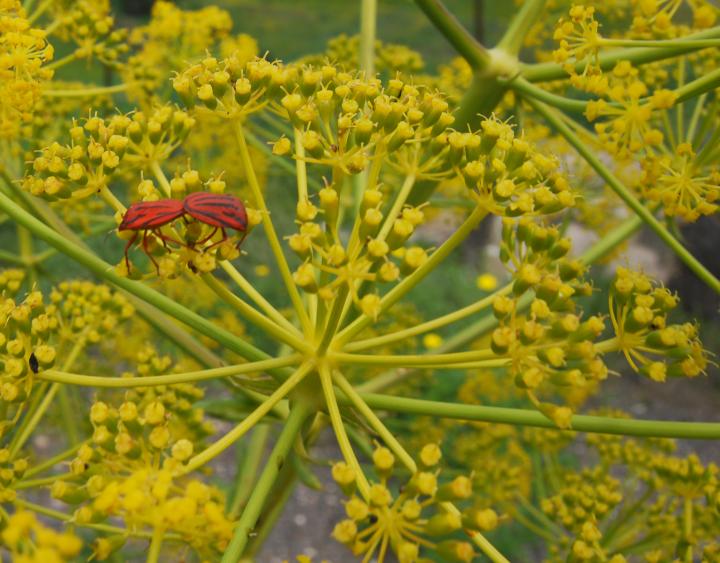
<point>249,313</point>
<point>529,13</point>
<point>528,89</point>
<point>34,417</point>
<point>625,194</point>
<point>374,421</point>
<point>545,72</point>
<point>155,545</point>
<point>40,509</point>
<point>480,99</point>
<point>284,487</point>
<point>368,21</point>
<point>661,44</point>
<point>85,92</point>
<point>48,463</point>
<point>687,528</point>
<point>340,433</point>
<point>436,361</point>
<point>251,420</point>
<point>277,459</point>
<point>395,294</point>
<point>13,259</point>
<point>271,235</point>
<point>705,83</point>
<point>433,324</point>
<point>528,417</point>
<point>464,43</point>
<point>67,59</point>
<point>25,246</point>
<point>68,414</point>
<point>251,463</point>
<point>170,379</point>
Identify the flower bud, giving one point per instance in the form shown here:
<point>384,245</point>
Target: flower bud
<point>304,277</point>
<point>379,495</point>
<point>443,524</point>
<point>484,520</point>
<point>384,461</point>
<point>459,488</point>
<point>455,551</point>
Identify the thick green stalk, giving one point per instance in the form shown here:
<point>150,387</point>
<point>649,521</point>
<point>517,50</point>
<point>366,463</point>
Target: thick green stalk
<point>625,194</point>
<point>278,457</point>
<point>251,458</point>
<point>368,23</point>
<point>480,99</point>
<point>528,417</point>
<point>464,43</point>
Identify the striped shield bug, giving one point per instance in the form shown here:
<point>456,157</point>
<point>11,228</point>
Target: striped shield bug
<point>221,211</point>
<point>149,217</point>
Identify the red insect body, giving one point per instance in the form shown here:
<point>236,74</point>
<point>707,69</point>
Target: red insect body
<point>217,210</point>
<point>149,216</point>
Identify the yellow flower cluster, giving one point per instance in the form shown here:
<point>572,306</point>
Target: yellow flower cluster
<point>132,469</point>
<point>29,541</point>
<point>91,27</point>
<point>552,347</point>
<point>390,58</point>
<point>170,39</point>
<point>23,51</point>
<point>415,517</point>
<point>579,46</point>
<point>11,281</point>
<point>630,125</point>
<point>32,331</point>
<point>685,185</point>
<point>184,418</point>
<point>638,312</point>
<point>101,148</point>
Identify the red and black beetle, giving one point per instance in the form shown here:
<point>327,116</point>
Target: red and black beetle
<point>221,211</point>
<point>149,216</point>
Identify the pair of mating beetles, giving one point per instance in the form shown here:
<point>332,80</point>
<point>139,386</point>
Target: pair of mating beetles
<point>217,210</point>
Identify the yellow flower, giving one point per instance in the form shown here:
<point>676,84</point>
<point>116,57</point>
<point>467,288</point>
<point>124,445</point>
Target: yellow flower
<point>486,282</point>
<point>432,340</point>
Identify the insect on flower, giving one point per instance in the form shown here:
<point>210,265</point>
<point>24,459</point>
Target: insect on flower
<point>221,211</point>
<point>149,217</point>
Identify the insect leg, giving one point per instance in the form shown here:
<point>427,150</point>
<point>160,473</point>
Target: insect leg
<point>147,251</point>
<point>130,242</point>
